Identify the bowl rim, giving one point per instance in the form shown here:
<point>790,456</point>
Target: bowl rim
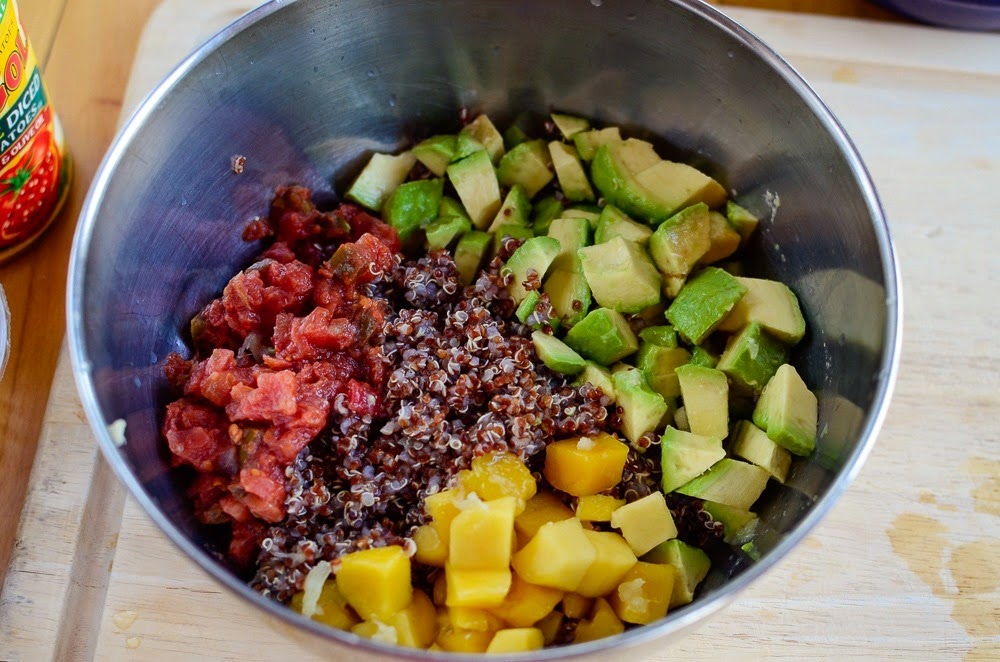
<point>681,619</point>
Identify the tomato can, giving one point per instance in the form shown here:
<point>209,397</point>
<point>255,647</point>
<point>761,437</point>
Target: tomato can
<point>35,168</point>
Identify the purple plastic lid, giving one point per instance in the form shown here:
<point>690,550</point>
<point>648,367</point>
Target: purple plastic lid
<point>962,14</point>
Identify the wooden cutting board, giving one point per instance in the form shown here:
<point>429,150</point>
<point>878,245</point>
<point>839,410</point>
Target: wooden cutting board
<point>906,565</point>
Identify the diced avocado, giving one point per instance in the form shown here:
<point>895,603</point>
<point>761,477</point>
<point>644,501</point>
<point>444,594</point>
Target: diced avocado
<point>642,409</point>
<point>570,125</point>
<point>734,520</point>
<point>475,181</point>
<point>556,355</point>
<point>514,136</point>
<point>703,357</point>
<point>723,239</point>
<point>533,257</point>
<point>621,275</point>
<point>528,165</point>
<point>569,170</point>
<point>545,211</point>
<point>681,241</point>
<point>569,294</point>
<point>751,358</point>
<point>788,411</point>
<point>526,307</point>
<point>685,456</point>
<point>573,234</point>
<point>702,303</point>
<point>451,207</point>
<point>469,254</point>
<point>772,304</point>
<point>466,145</point>
<point>691,566</point>
<point>729,482</point>
<point>603,336</point>
<point>681,419</point>
<point>442,231</point>
<point>664,336</point>
<point>412,206</point>
<point>588,142</point>
<point>615,223</point>
<point>578,212</point>
<point>482,130</point>
<point>741,219</point>
<point>505,231</point>
<point>380,177</point>
<point>751,549</point>
<point>658,364</point>
<point>436,153</point>
<point>599,376</point>
<point>675,186</point>
<point>515,210</point>
<point>753,445</point>
<point>705,392</point>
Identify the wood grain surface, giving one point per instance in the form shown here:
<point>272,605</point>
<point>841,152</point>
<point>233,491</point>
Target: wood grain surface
<point>905,567</point>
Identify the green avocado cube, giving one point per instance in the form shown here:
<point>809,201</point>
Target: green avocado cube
<point>664,335</point>
<point>681,241</point>
<point>788,411</point>
<point>729,482</point>
<point>642,409</point>
<point>556,355</point>
<point>475,181</point>
<point>658,365</point>
<point>603,336</point>
<point>528,164</point>
<point>751,358</point>
<point>504,231</point>
<point>703,357</point>
<point>621,275</point>
<point>482,131</point>
<point>735,521</point>
<point>685,456</point>
<point>723,240</point>
<point>579,211</point>
<point>441,232</point>
<point>515,210</point>
<point>513,136</point>
<point>702,303</point>
<point>598,376</point>
<point>573,234</point>
<point>771,303</point>
<point>753,445</point>
<point>380,177</point>
<point>741,219</point>
<point>451,207</point>
<point>569,125</point>
<point>588,142</point>
<point>690,563</point>
<point>570,173</point>
<point>569,294</point>
<point>436,153</point>
<point>544,212</point>
<point>527,307</point>
<point>705,392</point>
<point>532,259</point>
<point>615,223</point>
<point>469,254</point>
<point>412,206</point>
<point>673,186</point>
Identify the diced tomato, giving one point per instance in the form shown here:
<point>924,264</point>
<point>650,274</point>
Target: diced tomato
<point>215,377</point>
<point>271,400</point>
<point>362,398</point>
<point>245,543</point>
<point>206,492</point>
<point>362,223</point>
<point>330,293</point>
<point>279,251</point>
<point>362,261</point>
<point>177,369</point>
<point>312,337</point>
<point>253,298</point>
<point>196,433</point>
<point>209,328</point>
<point>264,487</point>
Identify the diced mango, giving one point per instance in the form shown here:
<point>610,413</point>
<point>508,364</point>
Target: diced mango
<point>497,475</point>
<point>376,630</point>
<point>582,466</point>
<point>603,623</point>
<point>558,556</point>
<point>597,507</point>
<point>473,618</point>
<point>550,626</point>
<point>416,624</point>
<point>516,640</point>
<point>526,604</point>
<point>614,559</point>
<point>575,605</point>
<point>540,509</point>
<point>431,546</point>
<point>645,523</point>
<point>476,588</point>
<point>644,593</point>
<point>456,640</point>
<point>376,582</point>
<point>331,607</point>
<point>442,508</point>
<point>481,536</point>
<point>439,594</point>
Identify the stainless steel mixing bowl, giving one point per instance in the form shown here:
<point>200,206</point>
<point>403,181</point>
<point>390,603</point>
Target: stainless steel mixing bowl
<point>305,90</point>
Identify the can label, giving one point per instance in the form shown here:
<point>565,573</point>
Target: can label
<point>33,167</point>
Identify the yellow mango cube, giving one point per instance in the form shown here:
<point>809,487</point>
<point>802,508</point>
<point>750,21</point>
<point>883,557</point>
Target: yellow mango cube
<point>378,631</point>
<point>575,605</point>
<point>516,640</point>
<point>550,626</point>
<point>476,588</point>
<point>614,559</point>
<point>443,508</point>
<point>645,523</point>
<point>457,640</point>
<point>583,466</point>
<point>558,556</point>
<point>376,582</point>
<point>603,623</point>
<point>644,593</point>
<point>540,509</point>
<point>497,475</point>
<point>473,618</point>
<point>526,603</point>
<point>482,536</point>
<point>439,593</point>
<point>416,624</point>
<point>432,549</point>
<point>331,607</point>
<point>597,507</point>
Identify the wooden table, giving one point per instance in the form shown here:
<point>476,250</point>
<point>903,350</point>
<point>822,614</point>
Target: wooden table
<point>87,84</point>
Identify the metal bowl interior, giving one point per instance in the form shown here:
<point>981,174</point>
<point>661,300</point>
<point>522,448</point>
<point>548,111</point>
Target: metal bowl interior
<point>306,90</point>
